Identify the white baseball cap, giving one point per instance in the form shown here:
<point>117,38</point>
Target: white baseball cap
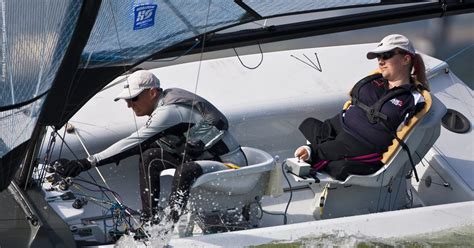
<point>391,42</point>
<point>137,82</point>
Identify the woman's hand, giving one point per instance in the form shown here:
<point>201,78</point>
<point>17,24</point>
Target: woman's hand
<point>302,153</point>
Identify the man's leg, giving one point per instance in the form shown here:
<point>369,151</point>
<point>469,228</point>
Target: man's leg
<point>184,177</point>
<point>155,160</point>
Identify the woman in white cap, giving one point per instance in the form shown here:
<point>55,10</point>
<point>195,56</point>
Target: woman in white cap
<point>184,131</point>
<point>353,141</point>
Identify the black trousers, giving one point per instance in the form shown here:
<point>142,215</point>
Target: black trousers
<point>329,141</point>
<point>153,162</point>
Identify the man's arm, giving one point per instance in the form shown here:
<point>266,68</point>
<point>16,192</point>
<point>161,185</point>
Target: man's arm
<point>162,119</point>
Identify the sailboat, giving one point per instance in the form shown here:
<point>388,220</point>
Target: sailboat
<point>60,74</point>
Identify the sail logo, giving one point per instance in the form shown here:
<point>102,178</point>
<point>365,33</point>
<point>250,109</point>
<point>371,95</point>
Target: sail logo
<point>144,16</point>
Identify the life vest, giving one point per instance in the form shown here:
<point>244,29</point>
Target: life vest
<point>201,137</point>
<point>373,113</point>
<point>210,114</point>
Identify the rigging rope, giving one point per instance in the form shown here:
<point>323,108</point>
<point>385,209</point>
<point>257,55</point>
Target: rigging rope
<point>75,156</point>
<point>95,167</point>
<point>445,183</point>
<point>115,194</point>
<point>197,80</point>
<point>41,173</point>
<point>197,41</point>
<point>242,63</point>
<point>133,115</point>
<point>48,153</point>
<point>452,57</point>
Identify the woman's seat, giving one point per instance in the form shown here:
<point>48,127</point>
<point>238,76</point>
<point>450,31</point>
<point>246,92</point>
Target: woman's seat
<point>419,135</point>
<point>369,193</point>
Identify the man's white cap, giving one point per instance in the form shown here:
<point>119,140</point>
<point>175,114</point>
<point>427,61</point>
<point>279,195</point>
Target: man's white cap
<point>391,42</point>
<point>136,83</point>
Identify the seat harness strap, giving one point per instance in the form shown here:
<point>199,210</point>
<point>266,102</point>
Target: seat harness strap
<point>405,147</point>
<point>375,116</point>
<point>373,112</point>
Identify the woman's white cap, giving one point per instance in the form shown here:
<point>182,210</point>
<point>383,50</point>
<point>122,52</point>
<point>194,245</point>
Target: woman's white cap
<point>391,42</point>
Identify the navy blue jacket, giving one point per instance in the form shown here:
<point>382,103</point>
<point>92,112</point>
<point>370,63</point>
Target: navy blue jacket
<point>397,109</point>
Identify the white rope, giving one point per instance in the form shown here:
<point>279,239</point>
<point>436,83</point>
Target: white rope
<point>95,167</point>
<point>136,125</point>
<point>197,77</point>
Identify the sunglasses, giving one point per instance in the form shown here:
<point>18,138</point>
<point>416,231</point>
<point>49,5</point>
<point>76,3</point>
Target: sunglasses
<point>134,99</point>
<point>386,55</point>
<point>389,54</point>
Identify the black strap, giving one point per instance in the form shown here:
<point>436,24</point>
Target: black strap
<point>405,147</point>
<point>375,116</point>
<point>355,90</point>
<point>391,94</point>
<point>372,115</point>
<point>218,149</point>
<point>373,112</point>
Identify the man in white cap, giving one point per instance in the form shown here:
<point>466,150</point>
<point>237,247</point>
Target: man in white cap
<point>141,92</point>
<point>184,131</point>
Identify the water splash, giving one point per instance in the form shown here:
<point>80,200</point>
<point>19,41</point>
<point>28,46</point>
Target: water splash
<point>455,237</point>
<point>157,235</point>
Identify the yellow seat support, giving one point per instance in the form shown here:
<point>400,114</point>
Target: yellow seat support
<point>405,130</point>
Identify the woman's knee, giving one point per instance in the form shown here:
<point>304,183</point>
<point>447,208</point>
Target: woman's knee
<point>310,123</point>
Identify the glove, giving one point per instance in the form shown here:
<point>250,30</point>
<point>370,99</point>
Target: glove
<point>71,168</point>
